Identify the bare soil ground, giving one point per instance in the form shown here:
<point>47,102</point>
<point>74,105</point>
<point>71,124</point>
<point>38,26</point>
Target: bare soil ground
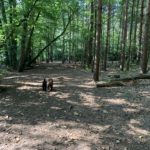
<point>114,118</point>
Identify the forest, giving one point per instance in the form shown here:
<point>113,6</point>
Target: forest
<point>88,32</point>
<point>74,74</point>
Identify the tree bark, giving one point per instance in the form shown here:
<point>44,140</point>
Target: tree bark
<point>29,40</point>
<point>4,22</point>
<point>90,52</point>
<point>141,32</point>
<point>124,35</point>
<point>13,35</point>
<point>144,61</point>
<point>95,34</point>
<point>107,36</point>
<point>23,47</point>
<point>99,31</point>
<point>130,36</point>
<point>135,48</point>
<point>63,41</point>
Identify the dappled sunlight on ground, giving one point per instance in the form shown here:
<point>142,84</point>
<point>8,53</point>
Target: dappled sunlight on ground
<point>145,93</point>
<point>75,115</point>
<point>130,110</point>
<point>137,130</point>
<point>25,87</point>
<point>117,101</point>
<point>62,95</point>
<point>18,76</point>
<point>88,100</point>
<point>29,83</point>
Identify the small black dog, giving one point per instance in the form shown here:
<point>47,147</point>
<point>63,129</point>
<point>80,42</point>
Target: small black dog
<point>44,85</point>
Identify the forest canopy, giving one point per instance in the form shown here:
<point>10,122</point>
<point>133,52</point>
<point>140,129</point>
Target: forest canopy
<point>92,32</point>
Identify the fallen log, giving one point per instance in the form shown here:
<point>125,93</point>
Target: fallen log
<point>122,81</point>
<point>140,76</point>
<point>109,84</point>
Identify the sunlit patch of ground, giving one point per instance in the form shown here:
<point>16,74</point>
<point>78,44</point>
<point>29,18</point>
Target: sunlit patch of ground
<point>117,101</point>
<point>137,131</point>
<point>75,115</point>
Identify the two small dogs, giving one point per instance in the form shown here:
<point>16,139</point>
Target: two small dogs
<point>47,85</point>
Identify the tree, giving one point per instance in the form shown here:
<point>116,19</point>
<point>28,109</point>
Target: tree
<point>90,52</point>
<point>108,35</point>
<point>145,51</point>
<point>130,36</point>
<point>124,35</point>
<point>141,31</point>
<point>99,30</point>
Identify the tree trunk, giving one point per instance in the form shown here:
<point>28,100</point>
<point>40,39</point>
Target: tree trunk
<point>63,41</point>
<point>29,41</point>
<point>4,22</point>
<point>23,47</point>
<point>95,34</point>
<point>144,61</point>
<point>99,30</point>
<point>90,55</point>
<point>119,35</point>
<point>107,36</point>
<point>130,36</point>
<point>63,50</point>
<point>13,36</point>
<point>135,48</point>
<point>124,35</point>
<point>141,32</point>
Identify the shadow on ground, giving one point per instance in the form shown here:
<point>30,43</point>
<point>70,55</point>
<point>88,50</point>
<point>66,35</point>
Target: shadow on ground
<point>75,115</point>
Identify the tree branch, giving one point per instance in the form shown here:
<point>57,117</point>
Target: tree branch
<point>55,39</point>
<point>22,20</point>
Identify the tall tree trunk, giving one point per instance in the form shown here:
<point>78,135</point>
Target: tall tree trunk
<point>119,35</point>
<point>63,50</point>
<point>63,42</point>
<point>29,41</point>
<point>95,34</point>
<point>4,22</point>
<point>91,35</point>
<point>48,48</point>
<point>141,32</point>
<point>13,36</point>
<point>136,16</point>
<point>51,53</point>
<point>99,31</point>
<point>112,46</point>
<point>107,36</point>
<point>77,41</point>
<point>52,46</point>
<point>124,41</point>
<point>23,46</point>
<point>130,36</point>
<point>146,41</point>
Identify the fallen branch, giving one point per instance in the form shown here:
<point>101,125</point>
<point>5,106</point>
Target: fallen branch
<point>122,81</point>
<point>51,42</point>
<point>140,76</point>
<point>109,84</point>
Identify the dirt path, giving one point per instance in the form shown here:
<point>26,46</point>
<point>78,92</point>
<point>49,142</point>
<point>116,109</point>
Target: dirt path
<point>99,119</point>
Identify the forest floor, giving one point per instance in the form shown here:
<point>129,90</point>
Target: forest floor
<point>113,118</point>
